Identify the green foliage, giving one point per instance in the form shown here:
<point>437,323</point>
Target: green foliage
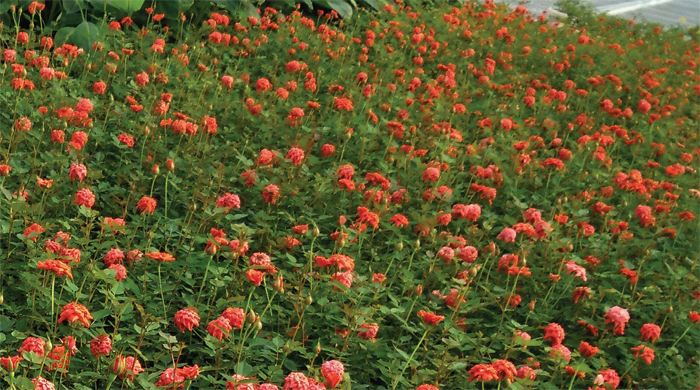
<point>316,183</point>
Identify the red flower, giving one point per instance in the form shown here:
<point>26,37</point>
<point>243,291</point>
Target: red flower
<point>505,369</point>
<point>142,78</point>
<point>430,318</point>
<point>235,316</point>
<point>555,333</point>
<point>343,103</point>
<point>127,367</point>
<point>647,353</point>
<point>344,278</point>
<point>10,363</point>
<point>650,332</point>
<point>161,256</point>
<point>694,317</point>
<point>255,276</point>
<point>101,346</point>
<point>332,372</point>
<point>587,350</point>
<point>58,267</point>
<point>618,317</point>
<point>126,140</point>
<point>77,171</point>
<point>295,155</point>
<point>369,331</point>
<point>186,319</point>
<point>146,205</point>
<point>219,328</point>
<point>327,150</point>
<point>229,201</point>
<point>483,372</point>
<point>33,344</point>
<point>85,197</point>
<point>75,312</point>
<point>431,175</point>
<point>271,194</point>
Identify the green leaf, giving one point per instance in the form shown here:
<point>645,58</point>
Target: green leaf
<point>172,8</point>
<point>342,7</point>
<point>85,35</point>
<point>373,3</point>
<point>5,6</point>
<point>243,368</point>
<point>5,192</point>
<point>127,6</point>
<point>72,6</point>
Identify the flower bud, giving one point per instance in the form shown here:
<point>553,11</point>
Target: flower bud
<point>170,164</point>
<point>318,348</point>
<point>49,345</point>
<point>416,244</point>
<point>156,170</point>
<point>250,317</point>
<point>315,232</point>
<point>2,299</point>
<point>399,246</point>
<point>309,300</point>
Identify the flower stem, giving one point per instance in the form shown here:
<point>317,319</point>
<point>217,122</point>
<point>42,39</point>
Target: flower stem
<point>396,381</point>
<point>204,280</point>
<point>160,286</point>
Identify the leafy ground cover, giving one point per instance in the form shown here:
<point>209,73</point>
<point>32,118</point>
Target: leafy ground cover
<point>446,198</point>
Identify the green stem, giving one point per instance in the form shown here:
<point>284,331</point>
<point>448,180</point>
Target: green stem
<point>160,286</point>
<point>204,280</point>
<point>396,381</point>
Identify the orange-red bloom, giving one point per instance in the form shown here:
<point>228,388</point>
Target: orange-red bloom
<point>430,318</point>
<point>161,256</point>
<point>75,312</point>
<point>57,266</point>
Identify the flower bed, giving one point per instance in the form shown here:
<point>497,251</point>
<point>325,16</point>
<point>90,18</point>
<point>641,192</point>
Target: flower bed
<point>446,198</point>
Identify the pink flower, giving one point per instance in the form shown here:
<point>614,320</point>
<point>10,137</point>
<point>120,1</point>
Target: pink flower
<point>507,235</point>
<point>618,317</point>
<point>577,270</point>
<point>332,372</point>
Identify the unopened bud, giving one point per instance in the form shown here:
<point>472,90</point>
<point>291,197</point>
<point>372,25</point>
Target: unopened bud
<point>147,130</point>
<point>286,349</point>
<point>156,170</point>
<point>251,317</point>
<point>49,345</point>
<point>416,244</point>
<point>259,324</point>
<point>399,246</point>
<point>315,232</point>
<point>670,309</point>
<point>2,299</point>
<point>318,348</point>
<point>309,300</point>
<point>170,164</point>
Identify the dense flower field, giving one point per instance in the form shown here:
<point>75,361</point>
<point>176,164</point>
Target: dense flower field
<point>448,198</point>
